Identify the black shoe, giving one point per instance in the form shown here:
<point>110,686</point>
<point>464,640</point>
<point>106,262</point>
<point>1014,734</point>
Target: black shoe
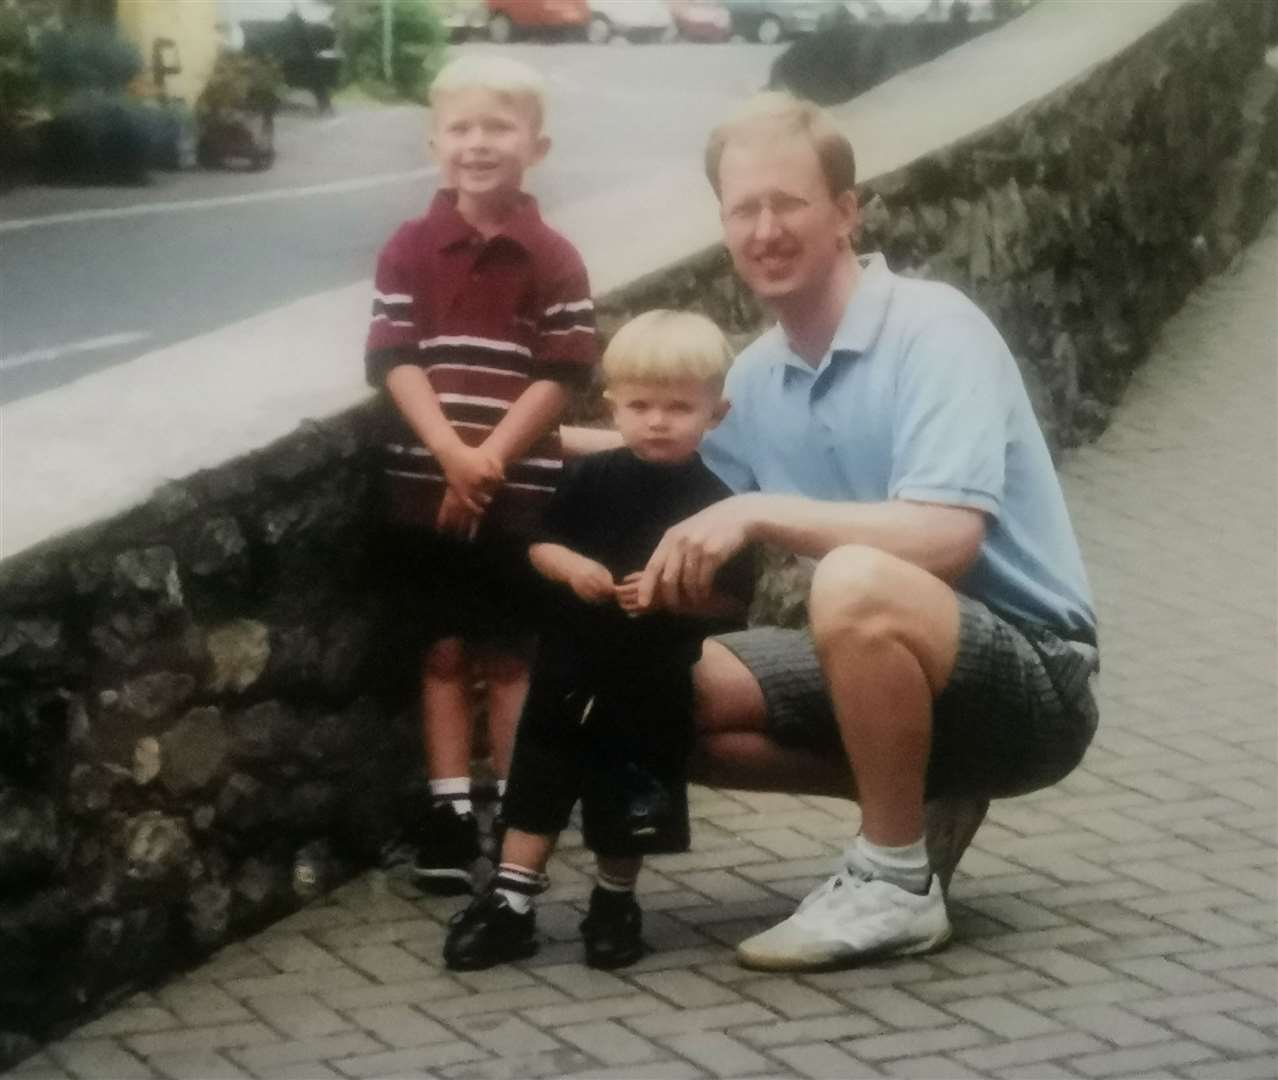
<point>447,846</point>
<point>489,932</point>
<point>612,929</point>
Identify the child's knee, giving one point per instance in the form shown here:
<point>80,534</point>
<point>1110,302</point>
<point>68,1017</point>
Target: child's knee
<point>505,668</point>
<point>446,660</point>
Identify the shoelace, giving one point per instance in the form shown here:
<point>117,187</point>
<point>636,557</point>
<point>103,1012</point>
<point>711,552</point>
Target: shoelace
<point>847,878</point>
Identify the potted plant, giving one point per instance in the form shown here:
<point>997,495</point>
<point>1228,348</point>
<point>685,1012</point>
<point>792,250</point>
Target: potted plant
<point>235,113</point>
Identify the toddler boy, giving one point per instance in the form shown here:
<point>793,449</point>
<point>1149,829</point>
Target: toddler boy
<point>609,713</point>
<point>481,322</point>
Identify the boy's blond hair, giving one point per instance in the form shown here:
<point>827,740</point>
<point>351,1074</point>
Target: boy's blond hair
<point>510,80</point>
<point>663,346</point>
<point>775,115</point>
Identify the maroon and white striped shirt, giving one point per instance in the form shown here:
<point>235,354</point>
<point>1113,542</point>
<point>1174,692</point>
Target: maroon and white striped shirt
<point>484,318</point>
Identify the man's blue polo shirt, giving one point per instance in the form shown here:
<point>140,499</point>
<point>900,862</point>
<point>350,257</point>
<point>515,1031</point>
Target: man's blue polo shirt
<point>920,399</point>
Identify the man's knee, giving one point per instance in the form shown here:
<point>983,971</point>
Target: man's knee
<point>854,592</point>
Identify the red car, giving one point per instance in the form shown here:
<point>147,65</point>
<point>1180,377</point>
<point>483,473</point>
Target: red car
<point>509,18</point>
<point>701,20</point>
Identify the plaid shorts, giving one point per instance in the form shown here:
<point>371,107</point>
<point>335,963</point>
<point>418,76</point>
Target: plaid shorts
<point>1017,714</point>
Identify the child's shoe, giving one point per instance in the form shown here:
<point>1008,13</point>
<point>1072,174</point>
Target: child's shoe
<point>489,932</point>
<point>612,929</point>
<point>447,846</point>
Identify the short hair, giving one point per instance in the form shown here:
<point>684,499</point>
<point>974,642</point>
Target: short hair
<point>664,346</point>
<point>775,115</point>
<point>508,79</point>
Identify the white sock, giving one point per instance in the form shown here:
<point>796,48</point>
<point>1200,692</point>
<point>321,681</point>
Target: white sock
<point>906,866</point>
<point>612,883</point>
<point>517,885</point>
<point>501,789</point>
<point>453,792</point>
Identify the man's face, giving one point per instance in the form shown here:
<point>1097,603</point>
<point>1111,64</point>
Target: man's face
<point>485,142</point>
<point>780,222</point>
<point>663,422</point>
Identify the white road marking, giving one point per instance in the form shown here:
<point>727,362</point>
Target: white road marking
<point>190,205</point>
<point>38,356</point>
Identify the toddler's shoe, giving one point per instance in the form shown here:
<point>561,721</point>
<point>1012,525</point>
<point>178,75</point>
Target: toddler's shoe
<point>612,930</point>
<point>489,932</point>
<point>447,846</point>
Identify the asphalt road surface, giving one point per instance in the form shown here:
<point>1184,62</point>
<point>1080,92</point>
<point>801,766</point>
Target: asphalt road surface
<point>91,277</point>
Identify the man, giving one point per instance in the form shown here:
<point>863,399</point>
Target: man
<point>883,428</point>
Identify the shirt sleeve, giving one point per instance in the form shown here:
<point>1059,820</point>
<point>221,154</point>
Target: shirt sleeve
<point>952,416</point>
<point>560,524</point>
<point>567,347</point>
<point>392,332</point>
<point>725,449</point>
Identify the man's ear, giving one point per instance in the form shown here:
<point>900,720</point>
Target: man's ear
<point>850,214</point>
<point>720,411</point>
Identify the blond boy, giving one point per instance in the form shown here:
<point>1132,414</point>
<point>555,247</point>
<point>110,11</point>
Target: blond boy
<point>609,715</point>
<point>481,322</point>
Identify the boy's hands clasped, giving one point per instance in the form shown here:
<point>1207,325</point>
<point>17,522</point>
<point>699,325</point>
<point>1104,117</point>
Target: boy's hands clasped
<point>474,475</point>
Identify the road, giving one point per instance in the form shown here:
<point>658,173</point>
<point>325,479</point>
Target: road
<point>91,277</point>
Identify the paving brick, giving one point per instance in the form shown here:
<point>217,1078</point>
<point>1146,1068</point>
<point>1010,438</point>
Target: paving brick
<point>299,1016</point>
<point>1143,1060</point>
<point>676,1022</point>
<point>1023,1052</point>
<point>1064,966</point>
<point>313,982</point>
<point>196,1065</point>
<point>926,1041</point>
<point>790,998</point>
<point>126,1022</point>
<point>292,952</point>
<point>896,1008</point>
<point>98,1059</point>
<point>1187,1004</point>
<point>387,963</point>
<point>400,1026</point>
<point>1004,1017</point>
<point>823,1029</point>
<point>1264,1067</point>
<point>1263,980</point>
<point>686,989</point>
<point>940,991</point>
<point>821,1061</point>
<point>1224,1033</point>
<point>1113,1024</point>
<point>273,1057</point>
<point>582,1012</point>
<point>409,1062</point>
<point>719,1054</point>
<point>652,1070</point>
<point>932,1067</point>
<point>609,1042</point>
<point>201,1003</point>
<point>548,1063</point>
<point>583,982</point>
<point>365,995</point>
<point>200,1038</point>
<point>497,1001</point>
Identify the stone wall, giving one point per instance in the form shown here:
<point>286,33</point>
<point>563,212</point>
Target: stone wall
<point>200,726</point>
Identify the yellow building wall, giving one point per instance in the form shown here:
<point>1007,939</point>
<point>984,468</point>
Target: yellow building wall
<point>190,24</point>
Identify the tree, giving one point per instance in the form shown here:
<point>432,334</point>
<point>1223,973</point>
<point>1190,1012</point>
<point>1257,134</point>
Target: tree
<point>418,43</point>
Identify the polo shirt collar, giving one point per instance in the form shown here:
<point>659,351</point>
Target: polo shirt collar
<point>863,317</point>
<point>523,224</point>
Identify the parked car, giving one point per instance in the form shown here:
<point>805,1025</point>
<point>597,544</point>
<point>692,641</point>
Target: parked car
<point>770,21</point>
<point>509,19</point>
<point>463,19</point>
<point>635,20</point>
<point>701,20</point>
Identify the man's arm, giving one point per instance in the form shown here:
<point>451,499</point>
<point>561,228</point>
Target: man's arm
<point>942,539</point>
<point>580,441</point>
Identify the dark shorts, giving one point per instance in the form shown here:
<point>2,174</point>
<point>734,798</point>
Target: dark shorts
<point>484,591</point>
<point>1017,715</point>
<point>575,743</point>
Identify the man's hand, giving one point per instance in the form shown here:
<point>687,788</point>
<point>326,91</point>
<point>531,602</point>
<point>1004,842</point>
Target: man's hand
<point>456,518</point>
<point>591,581</point>
<point>682,569</point>
<point>473,474</point>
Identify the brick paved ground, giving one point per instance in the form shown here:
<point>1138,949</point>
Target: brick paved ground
<point>1120,924</point>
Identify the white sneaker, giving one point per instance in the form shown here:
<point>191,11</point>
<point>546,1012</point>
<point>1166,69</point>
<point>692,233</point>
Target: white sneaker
<point>850,919</point>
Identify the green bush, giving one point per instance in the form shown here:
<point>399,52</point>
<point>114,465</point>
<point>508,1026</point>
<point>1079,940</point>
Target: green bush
<point>418,44</point>
<point>239,83</point>
<point>88,58</point>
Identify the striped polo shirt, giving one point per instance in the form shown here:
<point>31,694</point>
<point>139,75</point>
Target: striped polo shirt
<point>484,318</point>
